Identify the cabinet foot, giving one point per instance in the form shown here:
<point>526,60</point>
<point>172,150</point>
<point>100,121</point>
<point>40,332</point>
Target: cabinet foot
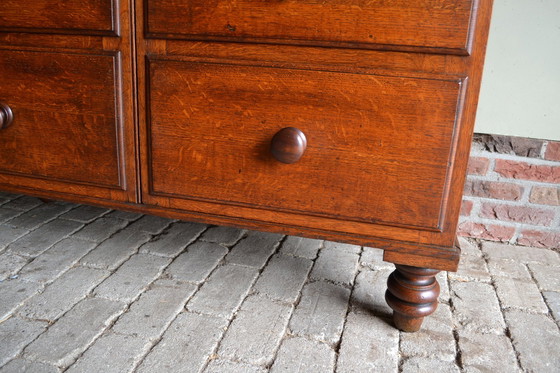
<point>412,293</point>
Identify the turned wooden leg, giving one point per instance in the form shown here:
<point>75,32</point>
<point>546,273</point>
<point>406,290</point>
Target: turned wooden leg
<point>412,293</point>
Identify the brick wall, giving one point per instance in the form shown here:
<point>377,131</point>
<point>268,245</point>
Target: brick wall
<point>512,192</point>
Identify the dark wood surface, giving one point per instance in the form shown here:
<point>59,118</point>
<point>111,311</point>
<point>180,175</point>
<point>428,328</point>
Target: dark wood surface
<point>71,98</point>
<point>401,242</point>
<point>6,115</point>
<point>68,16</point>
<point>288,145</point>
<point>412,293</point>
<point>169,107</point>
<point>378,144</point>
<point>367,24</point>
<point>64,105</point>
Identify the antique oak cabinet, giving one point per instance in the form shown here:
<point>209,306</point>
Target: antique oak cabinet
<point>347,120</point>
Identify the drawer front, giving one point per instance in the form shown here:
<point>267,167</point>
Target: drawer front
<point>377,146</point>
<point>398,23</point>
<point>65,124</point>
<point>70,16</point>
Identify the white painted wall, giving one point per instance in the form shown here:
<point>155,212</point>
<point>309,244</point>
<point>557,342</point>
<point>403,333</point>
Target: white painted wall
<point>520,94</point>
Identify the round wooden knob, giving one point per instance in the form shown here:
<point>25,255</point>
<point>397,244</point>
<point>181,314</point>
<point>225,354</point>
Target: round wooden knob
<point>6,115</point>
<point>288,145</point>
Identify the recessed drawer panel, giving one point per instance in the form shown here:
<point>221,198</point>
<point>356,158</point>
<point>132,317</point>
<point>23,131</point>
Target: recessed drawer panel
<point>69,16</point>
<point>368,24</point>
<point>377,151</point>
<point>65,125</point>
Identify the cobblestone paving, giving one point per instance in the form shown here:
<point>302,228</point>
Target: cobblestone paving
<point>86,289</point>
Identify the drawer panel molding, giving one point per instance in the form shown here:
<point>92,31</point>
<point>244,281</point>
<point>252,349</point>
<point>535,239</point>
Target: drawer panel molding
<point>66,122</point>
<point>377,151</point>
<point>412,25</point>
<point>83,17</point>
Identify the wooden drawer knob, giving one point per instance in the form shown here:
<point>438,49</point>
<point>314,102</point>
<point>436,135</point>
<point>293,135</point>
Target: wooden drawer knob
<point>6,115</point>
<point>288,145</point>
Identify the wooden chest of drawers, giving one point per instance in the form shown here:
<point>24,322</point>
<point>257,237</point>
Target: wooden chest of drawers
<point>346,120</point>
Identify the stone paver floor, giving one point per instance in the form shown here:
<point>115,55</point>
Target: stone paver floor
<point>85,289</point>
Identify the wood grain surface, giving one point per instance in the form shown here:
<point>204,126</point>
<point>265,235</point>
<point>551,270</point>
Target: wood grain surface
<point>402,23</point>
<point>378,146</point>
<point>168,107</point>
<point>65,125</point>
<point>83,16</point>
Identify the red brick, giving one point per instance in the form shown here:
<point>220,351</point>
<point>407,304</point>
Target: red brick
<point>491,232</point>
<point>493,189</point>
<point>466,208</point>
<point>539,239</point>
<point>545,196</point>
<point>478,166</point>
<point>519,214</point>
<point>527,171</point>
<point>552,151</point>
